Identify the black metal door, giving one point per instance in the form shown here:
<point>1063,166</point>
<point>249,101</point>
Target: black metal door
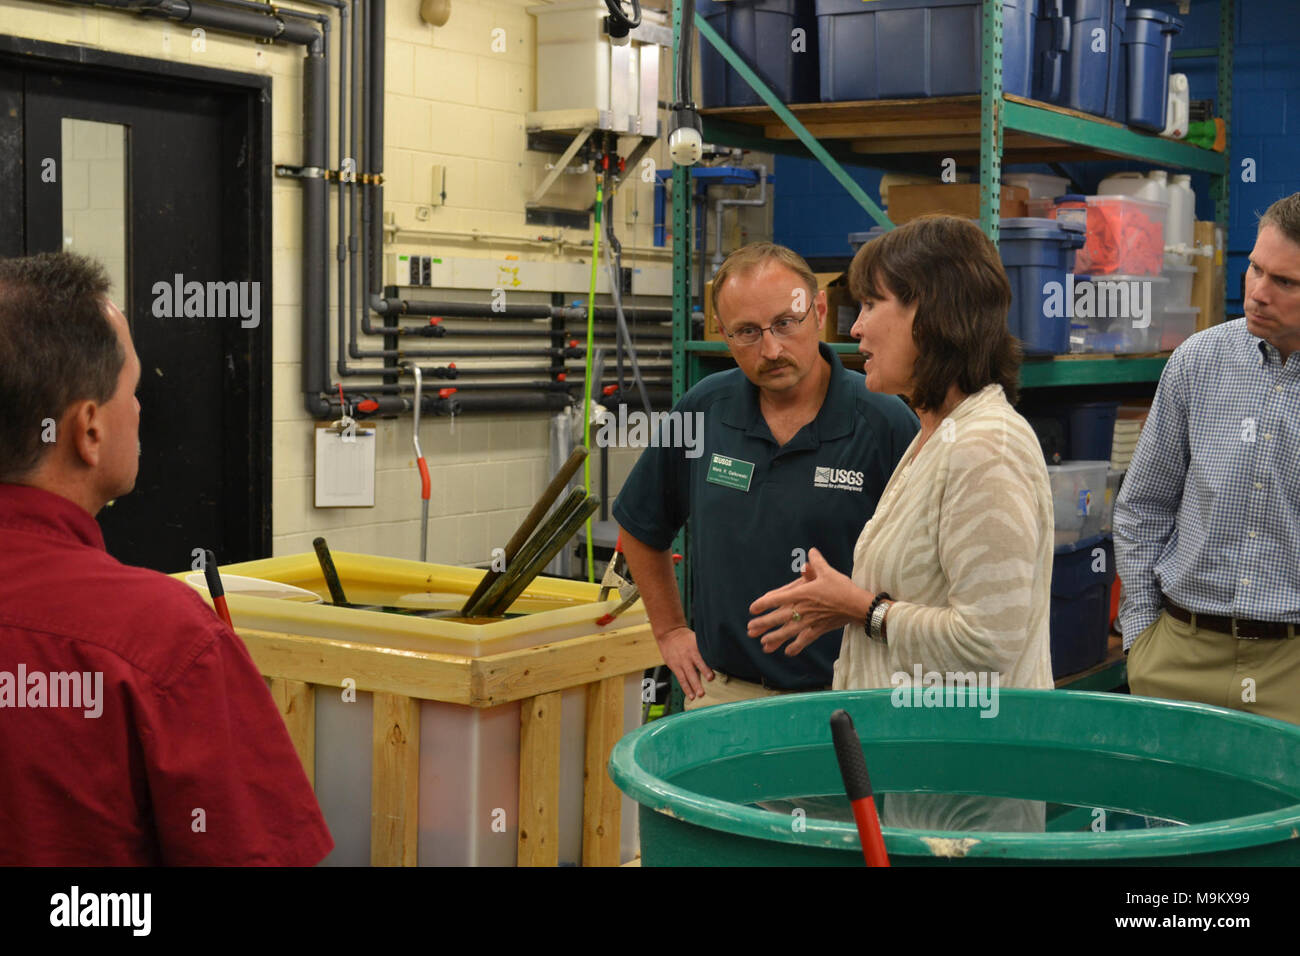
<point>196,184</point>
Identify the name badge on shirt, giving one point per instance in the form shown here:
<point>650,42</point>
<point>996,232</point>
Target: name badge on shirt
<point>730,472</point>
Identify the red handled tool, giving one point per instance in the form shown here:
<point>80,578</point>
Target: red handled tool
<point>215,590</point>
<point>853,768</point>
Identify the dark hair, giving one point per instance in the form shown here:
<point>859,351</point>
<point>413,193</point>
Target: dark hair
<point>950,269</point>
<point>56,347</point>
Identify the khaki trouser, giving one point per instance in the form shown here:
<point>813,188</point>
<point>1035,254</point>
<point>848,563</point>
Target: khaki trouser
<point>1175,660</point>
<point>725,689</point>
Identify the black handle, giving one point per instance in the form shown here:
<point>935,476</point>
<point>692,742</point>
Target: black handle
<point>327,568</point>
<point>848,751</point>
<point>212,576</point>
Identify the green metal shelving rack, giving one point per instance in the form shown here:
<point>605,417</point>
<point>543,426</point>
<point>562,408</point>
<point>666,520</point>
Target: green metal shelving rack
<point>998,114</point>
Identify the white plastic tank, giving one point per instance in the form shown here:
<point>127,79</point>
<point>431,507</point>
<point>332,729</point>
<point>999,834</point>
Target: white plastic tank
<point>1176,114</point>
<point>1134,184</point>
<point>1180,227</point>
<point>1160,189</point>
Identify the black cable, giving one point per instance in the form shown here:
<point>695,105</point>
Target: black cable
<point>620,18</point>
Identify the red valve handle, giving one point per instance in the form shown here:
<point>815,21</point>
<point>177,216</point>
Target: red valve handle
<point>369,405</point>
<point>446,392</point>
<point>561,377</point>
<point>609,390</point>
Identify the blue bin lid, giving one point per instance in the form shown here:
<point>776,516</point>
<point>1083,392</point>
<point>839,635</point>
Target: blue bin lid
<point>1070,197</point>
<point>1168,19</point>
<point>1032,228</point>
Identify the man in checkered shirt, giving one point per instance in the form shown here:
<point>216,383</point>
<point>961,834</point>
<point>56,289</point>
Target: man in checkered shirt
<point>1207,523</point>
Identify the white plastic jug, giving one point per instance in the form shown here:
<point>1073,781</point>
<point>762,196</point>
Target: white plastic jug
<point>1133,184</point>
<point>1176,114</point>
<point>1180,227</point>
<point>1160,190</point>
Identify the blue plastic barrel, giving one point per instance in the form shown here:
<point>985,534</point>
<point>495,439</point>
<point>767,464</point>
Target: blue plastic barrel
<point>1036,252</point>
<point>898,49</point>
<point>1148,39</point>
<point>1090,78</point>
<point>762,32</point>
<point>1080,616</point>
<point>1092,430</point>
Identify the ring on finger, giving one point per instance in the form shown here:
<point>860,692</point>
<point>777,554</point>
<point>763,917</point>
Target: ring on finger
<point>795,616</point>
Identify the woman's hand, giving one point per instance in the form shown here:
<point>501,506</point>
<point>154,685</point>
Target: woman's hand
<point>822,598</point>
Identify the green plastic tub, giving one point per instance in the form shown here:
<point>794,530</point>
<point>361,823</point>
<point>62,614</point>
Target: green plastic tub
<point>1043,777</point>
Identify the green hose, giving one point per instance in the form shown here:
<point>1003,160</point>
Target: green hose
<point>586,383</point>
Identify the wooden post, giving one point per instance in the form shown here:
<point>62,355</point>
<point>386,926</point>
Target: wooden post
<point>395,781</point>
<point>601,802</point>
<point>297,703</point>
<point>539,781</point>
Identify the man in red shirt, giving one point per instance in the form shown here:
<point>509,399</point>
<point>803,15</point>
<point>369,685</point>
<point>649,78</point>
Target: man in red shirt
<point>134,727</point>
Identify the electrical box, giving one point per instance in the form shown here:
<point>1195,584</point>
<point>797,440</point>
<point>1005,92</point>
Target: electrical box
<point>411,270</point>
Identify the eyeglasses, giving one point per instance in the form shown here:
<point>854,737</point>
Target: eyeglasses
<point>782,328</point>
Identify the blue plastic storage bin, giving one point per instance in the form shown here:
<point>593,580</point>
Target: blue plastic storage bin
<point>897,49</point>
<point>1148,40</point>
<point>1051,47</point>
<point>760,31</point>
<point>1090,77</point>
<point>1092,430</point>
<point>1080,616</point>
<point>1034,253</point>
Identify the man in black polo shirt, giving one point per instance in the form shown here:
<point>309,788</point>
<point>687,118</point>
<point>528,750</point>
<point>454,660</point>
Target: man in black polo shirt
<point>795,454</point>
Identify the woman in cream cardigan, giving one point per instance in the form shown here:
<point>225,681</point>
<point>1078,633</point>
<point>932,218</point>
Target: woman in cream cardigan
<point>953,572</point>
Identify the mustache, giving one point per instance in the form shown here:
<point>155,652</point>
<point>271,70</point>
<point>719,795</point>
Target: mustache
<point>772,366</point>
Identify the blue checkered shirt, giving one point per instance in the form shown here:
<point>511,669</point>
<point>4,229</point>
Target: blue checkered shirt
<point>1209,512</point>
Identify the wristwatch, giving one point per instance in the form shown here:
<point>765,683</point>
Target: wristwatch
<point>878,622</point>
<point>875,622</point>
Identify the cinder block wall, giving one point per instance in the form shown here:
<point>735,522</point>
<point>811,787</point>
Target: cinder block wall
<point>453,102</point>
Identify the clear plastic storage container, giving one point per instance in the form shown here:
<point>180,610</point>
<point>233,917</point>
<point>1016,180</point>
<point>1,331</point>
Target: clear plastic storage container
<point>1125,235</point>
<point>1117,314</point>
<point>1078,499</point>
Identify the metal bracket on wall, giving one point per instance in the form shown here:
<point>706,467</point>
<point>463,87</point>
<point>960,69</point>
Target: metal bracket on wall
<point>579,138</point>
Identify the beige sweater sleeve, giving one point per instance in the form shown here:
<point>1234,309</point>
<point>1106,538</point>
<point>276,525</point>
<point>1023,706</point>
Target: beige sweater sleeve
<point>989,547</point>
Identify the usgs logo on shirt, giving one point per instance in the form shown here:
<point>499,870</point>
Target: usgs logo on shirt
<point>837,479</point>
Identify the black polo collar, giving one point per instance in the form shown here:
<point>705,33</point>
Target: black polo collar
<point>834,419</point>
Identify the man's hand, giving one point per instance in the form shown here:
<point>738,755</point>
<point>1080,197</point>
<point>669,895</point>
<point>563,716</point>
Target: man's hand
<point>682,655</point>
<point>822,598</point>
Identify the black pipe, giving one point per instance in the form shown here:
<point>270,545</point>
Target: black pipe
<point>375,139</point>
<point>278,11</point>
<point>340,192</point>
<point>472,310</point>
<point>315,208</point>
<point>269,26</point>
<point>459,331</point>
<point>359,151</point>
